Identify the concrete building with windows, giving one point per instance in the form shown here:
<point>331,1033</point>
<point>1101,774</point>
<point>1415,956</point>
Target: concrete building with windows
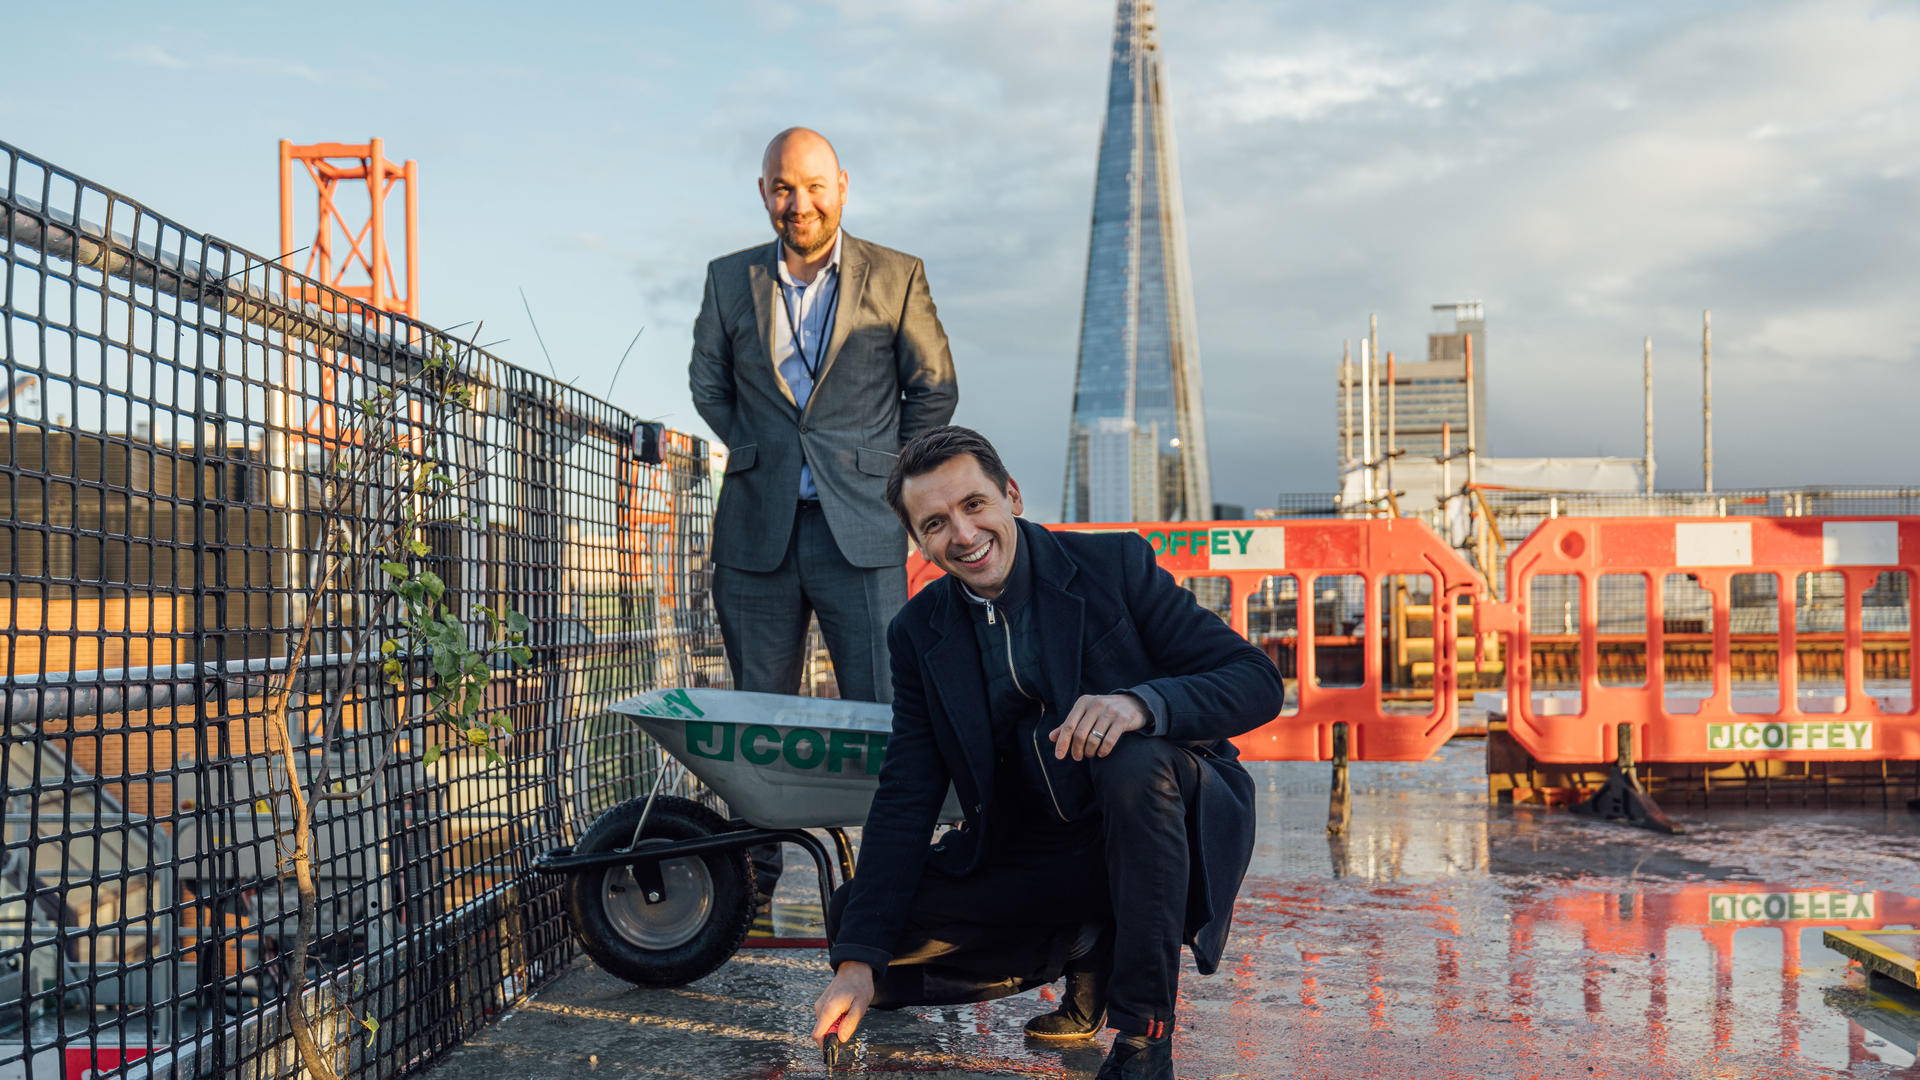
<point>1137,439</point>
<point>1428,396</point>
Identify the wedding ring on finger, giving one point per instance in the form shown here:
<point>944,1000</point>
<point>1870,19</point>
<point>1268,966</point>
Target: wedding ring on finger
<point>1097,734</point>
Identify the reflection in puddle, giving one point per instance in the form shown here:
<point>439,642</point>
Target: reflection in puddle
<point>1514,942</point>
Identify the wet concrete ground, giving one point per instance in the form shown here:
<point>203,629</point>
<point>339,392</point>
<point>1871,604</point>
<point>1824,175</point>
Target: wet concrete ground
<point>1444,938</point>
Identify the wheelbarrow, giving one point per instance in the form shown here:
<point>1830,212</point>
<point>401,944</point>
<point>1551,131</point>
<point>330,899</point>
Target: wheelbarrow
<point>660,890</point>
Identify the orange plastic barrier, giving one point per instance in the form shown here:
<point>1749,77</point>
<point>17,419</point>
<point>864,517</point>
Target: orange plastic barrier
<point>1246,554</point>
<point>1700,560</point>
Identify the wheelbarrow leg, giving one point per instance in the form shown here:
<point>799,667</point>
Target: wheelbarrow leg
<point>844,848</point>
<point>822,862</point>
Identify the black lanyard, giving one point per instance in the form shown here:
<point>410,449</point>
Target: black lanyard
<point>826,327</point>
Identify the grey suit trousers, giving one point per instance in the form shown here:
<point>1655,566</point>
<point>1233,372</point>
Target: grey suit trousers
<point>763,615</point>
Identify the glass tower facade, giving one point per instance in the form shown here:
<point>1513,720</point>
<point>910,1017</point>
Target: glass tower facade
<point>1137,442</point>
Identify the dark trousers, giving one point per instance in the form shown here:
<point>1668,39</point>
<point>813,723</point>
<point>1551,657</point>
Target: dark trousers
<point>763,621</point>
<point>1010,926</point>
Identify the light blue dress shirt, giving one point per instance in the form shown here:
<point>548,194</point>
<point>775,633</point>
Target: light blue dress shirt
<point>810,308</point>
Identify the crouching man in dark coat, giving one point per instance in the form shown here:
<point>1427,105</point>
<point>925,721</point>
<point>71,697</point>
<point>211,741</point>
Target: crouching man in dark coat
<point>1079,702</point>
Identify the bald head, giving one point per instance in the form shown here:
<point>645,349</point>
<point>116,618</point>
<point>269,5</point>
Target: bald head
<point>803,140</point>
<point>804,188</point>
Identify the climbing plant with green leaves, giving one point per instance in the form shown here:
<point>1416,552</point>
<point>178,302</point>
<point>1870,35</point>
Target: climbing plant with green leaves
<point>383,631</point>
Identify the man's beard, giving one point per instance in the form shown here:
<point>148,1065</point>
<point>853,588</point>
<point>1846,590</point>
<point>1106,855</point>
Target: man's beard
<point>829,229</point>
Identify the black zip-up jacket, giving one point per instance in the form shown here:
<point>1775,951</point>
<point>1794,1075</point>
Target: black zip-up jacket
<point>1020,712</point>
<point>1108,619</point>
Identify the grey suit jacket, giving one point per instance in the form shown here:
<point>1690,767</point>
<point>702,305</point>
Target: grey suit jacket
<point>886,377</point>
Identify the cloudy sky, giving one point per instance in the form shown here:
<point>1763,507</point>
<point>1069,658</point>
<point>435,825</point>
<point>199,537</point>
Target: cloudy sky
<point>1595,172</point>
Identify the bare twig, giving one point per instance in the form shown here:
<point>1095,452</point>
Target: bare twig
<point>536,333</point>
<point>623,360</point>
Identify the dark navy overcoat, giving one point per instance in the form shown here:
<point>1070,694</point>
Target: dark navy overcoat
<point>1109,619</point>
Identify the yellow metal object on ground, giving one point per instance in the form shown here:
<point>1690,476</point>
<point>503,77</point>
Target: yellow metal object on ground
<point>1893,953</point>
<point>788,923</point>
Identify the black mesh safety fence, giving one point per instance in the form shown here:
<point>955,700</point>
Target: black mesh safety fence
<point>201,456</point>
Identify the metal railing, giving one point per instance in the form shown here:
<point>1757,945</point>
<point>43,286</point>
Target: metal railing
<point>174,421</point>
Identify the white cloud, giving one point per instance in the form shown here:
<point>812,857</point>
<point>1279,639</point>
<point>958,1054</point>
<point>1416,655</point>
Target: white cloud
<point>1308,85</point>
<point>154,55</point>
<point>253,66</point>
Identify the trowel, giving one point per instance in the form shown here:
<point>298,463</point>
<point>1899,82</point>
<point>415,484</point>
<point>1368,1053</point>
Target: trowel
<point>839,1055</point>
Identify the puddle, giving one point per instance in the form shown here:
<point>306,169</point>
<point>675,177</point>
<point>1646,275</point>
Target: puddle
<point>1440,939</point>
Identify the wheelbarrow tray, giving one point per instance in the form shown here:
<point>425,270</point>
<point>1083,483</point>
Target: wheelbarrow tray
<point>779,761</point>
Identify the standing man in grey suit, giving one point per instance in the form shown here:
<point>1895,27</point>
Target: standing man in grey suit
<point>815,359</point>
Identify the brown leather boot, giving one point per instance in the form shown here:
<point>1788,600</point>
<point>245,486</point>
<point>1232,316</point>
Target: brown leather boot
<point>1083,1004</point>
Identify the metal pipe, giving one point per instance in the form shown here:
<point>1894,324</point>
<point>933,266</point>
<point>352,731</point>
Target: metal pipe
<point>1706,400</point>
<point>55,233</point>
<point>1393,440</point>
<point>1646,377</point>
<point>1473,447</point>
<point>286,202</point>
<point>33,698</point>
<point>1373,349</point>
<point>412,175</point>
<point>1446,464</point>
<point>377,224</point>
<point>1366,421</point>
<point>1346,405</point>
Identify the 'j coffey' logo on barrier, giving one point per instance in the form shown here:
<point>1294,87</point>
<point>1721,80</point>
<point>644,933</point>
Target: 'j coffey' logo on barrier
<point>801,748</point>
<point>1786,907</point>
<point>1260,548</point>
<point>1792,735</point>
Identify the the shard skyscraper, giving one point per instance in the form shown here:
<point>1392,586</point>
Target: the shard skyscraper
<point>1137,444</point>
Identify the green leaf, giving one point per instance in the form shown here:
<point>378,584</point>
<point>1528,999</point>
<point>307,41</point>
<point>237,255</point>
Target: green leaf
<point>493,756</point>
<point>389,647</point>
<point>521,655</point>
<point>433,583</point>
<point>395,569</point>
<point>445,662</point>
<point>432,755</point>
<point>418,547</point>
<point>518,623</point>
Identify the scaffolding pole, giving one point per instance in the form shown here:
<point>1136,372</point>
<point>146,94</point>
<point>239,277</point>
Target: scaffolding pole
<point>1706,400</point>
<point>1646,378</point>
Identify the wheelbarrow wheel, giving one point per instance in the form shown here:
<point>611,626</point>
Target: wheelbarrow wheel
<point>692,929</point>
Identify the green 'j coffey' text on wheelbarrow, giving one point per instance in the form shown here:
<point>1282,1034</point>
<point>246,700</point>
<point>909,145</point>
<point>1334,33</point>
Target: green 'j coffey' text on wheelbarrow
<point>660,888</point>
